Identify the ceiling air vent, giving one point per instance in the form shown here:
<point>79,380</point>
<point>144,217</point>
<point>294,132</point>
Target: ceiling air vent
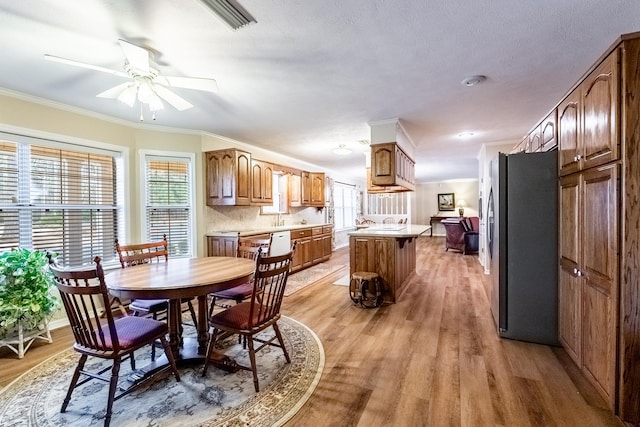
<point>230,12</point>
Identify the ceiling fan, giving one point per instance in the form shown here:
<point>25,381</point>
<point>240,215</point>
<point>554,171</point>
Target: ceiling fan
<point>145,84</point>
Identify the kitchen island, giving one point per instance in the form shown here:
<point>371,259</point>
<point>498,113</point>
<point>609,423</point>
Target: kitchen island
<point>389,250</point>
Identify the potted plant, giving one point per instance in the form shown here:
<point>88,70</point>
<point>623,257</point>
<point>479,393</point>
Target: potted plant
<point>27,298</point>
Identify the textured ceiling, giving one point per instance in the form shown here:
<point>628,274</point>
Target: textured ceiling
<point>312,74</point>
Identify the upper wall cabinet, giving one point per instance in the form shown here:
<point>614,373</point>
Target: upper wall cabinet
<point>261,182</point>
<point>391,167</point>
<point>228,175</point>
<point>548,137</point>
<point>317,189</point>
<point>295,190</point>
<point>541,138</point>
<point>587,120</point>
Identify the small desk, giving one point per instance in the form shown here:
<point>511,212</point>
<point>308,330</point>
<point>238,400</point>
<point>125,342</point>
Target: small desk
<point>438,218</point>
<point>181,278</point>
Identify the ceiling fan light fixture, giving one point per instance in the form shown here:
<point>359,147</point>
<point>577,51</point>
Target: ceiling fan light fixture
<point>129,95</point>
<point>230,12</point>
<point>341,150</point>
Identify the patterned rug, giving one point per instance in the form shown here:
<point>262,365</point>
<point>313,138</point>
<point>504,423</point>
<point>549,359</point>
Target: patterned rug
<point>309,276</point>
<point>219,399</point>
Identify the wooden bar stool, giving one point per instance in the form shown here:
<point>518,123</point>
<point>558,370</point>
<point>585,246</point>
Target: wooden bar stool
<point>365,289</point>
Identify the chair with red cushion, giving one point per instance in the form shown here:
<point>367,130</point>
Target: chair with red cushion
<point>84,293</point>
<point>251,317</point>
<point>144,253</point>
<point>247,248</point>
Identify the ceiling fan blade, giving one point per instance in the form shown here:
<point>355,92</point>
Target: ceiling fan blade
<point>137,57</point>
<point>83,65</point>
<point>196,83</point>
<point>114,91</point>
<point>176,101</point>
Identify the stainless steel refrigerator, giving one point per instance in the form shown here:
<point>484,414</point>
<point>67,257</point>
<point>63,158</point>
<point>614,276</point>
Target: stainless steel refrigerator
<point>522,230</point>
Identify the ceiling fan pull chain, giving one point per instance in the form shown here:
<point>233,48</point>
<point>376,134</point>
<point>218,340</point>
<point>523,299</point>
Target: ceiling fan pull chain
<point>141,116</point>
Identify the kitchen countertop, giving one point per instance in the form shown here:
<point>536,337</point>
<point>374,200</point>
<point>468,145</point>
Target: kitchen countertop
<point>392,230</point>
<point>262,230</point>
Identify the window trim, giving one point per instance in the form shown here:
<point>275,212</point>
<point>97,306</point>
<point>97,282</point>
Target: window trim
<point>168,155</point>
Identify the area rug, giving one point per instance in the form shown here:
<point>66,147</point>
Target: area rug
<point>219,399</point>
<point>343,281</point>
<point>309,276</point>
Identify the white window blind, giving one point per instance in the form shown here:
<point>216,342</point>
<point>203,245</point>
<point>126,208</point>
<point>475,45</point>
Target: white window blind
<point>168,195</point>
<point>344,200</point>
<point>58,199</point>
<point>388,204</point>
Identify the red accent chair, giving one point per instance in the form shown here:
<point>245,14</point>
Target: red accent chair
<point>462,234</point>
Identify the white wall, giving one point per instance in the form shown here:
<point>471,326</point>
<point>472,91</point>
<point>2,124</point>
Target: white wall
<point>424,203</point>
<point>40,118</point>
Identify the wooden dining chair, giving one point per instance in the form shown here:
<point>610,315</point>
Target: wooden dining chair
<point>144,253</point>
<point>84,292</point>
<point>261,311</point>
<point>247,248</point>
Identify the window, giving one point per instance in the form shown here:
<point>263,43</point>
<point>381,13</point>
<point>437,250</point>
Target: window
<point>168,196</point>
<point>59,197</point>
<point>388,204</point>
<point>344,203</point>
<point>280,195</point>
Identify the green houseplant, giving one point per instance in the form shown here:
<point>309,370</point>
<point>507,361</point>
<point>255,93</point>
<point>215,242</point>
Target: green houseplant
<point>27,298</point>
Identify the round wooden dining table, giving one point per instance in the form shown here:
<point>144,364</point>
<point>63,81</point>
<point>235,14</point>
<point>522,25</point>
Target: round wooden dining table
<point>181,278</point>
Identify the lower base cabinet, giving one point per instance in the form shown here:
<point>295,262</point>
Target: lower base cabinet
<point>313,245</point>
<point>222,246</point>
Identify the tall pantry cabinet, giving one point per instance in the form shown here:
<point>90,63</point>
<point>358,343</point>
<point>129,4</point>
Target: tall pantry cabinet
<point>599,279</point>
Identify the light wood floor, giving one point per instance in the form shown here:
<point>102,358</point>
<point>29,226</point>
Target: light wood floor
<point>432,359</point>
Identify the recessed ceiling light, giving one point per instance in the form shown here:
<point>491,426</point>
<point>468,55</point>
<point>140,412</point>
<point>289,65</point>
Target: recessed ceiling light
<point>465,135</point>
<point>473,80</point>
<point>341,150</point>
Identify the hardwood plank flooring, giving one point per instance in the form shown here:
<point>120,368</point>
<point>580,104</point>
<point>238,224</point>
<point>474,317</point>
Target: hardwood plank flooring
<point>431,359</point>
<point>434,358</point>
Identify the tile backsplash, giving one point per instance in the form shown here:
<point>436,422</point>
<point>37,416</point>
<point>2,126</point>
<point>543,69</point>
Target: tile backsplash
<point>239,218</point>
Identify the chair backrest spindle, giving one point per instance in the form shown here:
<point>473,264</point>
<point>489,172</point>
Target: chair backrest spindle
<point>84,295</point>
<point>142,253</point>
<point>270,280</point>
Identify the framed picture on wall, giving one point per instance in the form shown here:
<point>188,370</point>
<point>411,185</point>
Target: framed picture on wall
<point>446,202</point>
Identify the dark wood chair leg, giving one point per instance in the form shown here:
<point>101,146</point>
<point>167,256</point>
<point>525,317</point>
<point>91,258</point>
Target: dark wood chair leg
<point>212,343</point>
<point>252,358</point>
<point>74,381</point>
<point>279,335</point>
<point>113,384</point>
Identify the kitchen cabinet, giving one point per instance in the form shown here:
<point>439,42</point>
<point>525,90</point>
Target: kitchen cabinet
<point>303,257</point>
<point>533,140</point>
<point>305,187</point>
<point>541,138</point>
<point>548,137</point>
<point>587,120</point>
<point>261,182</point>
<point>588,280</point>
<point>314,245</point>
<point>317,189</point>
<point>227,175</point>
<point>295,190</point>
<point>222,245</point>
<point>392,167</point>
<point>312,189</point>
<point>327,242</point>
<point>598,138</point>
